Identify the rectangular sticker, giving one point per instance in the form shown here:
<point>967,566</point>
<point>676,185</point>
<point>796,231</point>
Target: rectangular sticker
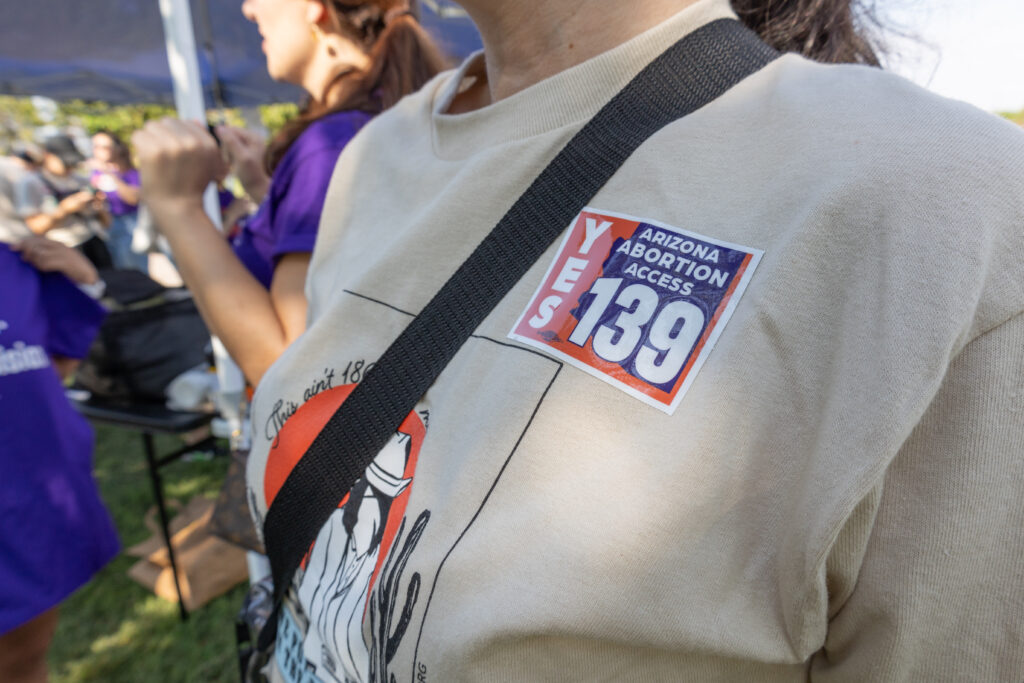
<point>636,303</point>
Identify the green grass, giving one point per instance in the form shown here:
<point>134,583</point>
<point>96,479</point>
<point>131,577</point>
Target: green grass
<point>112,629</point>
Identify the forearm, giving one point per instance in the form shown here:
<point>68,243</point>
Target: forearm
<point>42,223</point>
<point>65,366</point>
<point>129,194</point>
<point>238,208</point>
<point>235,306</point>
<point>104,217</point>
<point>257,188</point>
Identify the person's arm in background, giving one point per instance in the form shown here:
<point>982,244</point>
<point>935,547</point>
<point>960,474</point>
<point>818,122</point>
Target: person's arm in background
<point>48,256</point>
<point>235,211</point>
<point>101,212</point>
<point>244,150</point>
<point>177,160</point>
<point>107,178</point>
<point>44,221</point>
<point>128,192</point>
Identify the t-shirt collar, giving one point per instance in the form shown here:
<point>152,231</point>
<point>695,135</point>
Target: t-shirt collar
<point>569,97</point>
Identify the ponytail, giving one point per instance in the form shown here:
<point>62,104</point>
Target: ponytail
<point>823,30</point>
<point>402,59</point>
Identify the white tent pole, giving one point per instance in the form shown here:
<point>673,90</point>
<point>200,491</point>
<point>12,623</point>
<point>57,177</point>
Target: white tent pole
<point>188,99</point>
<point>188,86</point>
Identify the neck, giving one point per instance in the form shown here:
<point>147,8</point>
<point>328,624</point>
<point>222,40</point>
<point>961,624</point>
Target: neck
<point>526,41</point>
<point>330,78</point>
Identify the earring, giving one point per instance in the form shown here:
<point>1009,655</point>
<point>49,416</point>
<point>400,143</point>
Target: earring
<point>317,32</point>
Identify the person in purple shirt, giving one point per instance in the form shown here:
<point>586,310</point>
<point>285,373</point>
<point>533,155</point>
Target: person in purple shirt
<point>55,532</point>
<point>354,59</point>
<point>287,218</point>
<point>114,176</point>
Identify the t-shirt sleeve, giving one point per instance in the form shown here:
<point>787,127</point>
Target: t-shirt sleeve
<point>940,594</point>
<point>73,317</point>
<point>298,205</point>
<point>29,196</point>
<point>225,198</point>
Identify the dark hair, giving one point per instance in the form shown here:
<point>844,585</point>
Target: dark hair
<point>402,59</point>
<point>122,155</point>
<point>823,30</point>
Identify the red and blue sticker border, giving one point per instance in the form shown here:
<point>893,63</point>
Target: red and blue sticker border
<point>586,360</point>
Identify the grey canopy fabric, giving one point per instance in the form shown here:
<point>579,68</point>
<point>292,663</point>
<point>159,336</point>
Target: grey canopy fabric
<point>113,50</point>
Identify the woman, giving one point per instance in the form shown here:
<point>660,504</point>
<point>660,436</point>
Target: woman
<point>625,474</point>
<point>55,532</point>
<point>354,59</point>
<point>114,176</point>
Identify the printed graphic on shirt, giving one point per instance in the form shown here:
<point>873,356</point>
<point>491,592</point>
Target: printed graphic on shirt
<point>22,357</point>
<point>326,642</point>
<point>372,601</point>
<point>636,303</point>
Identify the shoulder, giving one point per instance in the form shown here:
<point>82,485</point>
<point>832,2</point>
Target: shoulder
<point>860,161</point>
<point>936,181</point>
<point>396,138</point>
<point>15,274</point>
<point>929,169</point>
<point>408,117</point>
<point>29,192</point>
<point>319,145</point>
<point>865,138</point>
<point>9,259</point>
<point>871,116</point>
<point>332,131</point>
<point>30,180</point>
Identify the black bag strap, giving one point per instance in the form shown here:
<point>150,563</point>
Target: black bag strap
<point>693,72</point>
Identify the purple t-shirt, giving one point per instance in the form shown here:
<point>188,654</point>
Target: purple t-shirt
<point>287,220</point>
<point>225,198</point>
<point>55,532</point>
<point>118,206</point>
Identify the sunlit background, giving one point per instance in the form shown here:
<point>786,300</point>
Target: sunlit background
<point>971,50</point>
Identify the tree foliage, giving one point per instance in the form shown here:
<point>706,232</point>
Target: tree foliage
<point>120,120</point>
<point>274,116</point>
<point>19,118</point>
<point>1016,117</point>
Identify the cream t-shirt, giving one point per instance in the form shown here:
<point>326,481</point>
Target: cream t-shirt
<point>757,416</point>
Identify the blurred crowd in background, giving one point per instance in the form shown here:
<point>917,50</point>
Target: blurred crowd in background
<point>78,185</point>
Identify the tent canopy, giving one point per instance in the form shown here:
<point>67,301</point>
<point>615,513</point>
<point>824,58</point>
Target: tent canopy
<point>114,51</point>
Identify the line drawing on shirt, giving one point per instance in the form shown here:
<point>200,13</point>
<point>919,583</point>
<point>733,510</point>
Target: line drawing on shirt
<point>483,503</point>
<point>358,533</point>
<point>518,347</point>
<point>357,576</point>
<point>416,666</point>
<point>387,633</point>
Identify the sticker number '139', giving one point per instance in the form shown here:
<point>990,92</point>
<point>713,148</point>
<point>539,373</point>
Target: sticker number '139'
<point>670,336</point>
<point>636,303</point>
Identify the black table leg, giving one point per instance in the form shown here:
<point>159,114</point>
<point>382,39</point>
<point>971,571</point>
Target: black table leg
<point>154,477</point>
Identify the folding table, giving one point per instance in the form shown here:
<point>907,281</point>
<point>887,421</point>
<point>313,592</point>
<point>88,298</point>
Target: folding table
<point>149,420</point>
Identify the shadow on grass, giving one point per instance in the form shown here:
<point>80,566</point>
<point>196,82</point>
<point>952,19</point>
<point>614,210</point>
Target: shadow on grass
<point>113,629</point>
